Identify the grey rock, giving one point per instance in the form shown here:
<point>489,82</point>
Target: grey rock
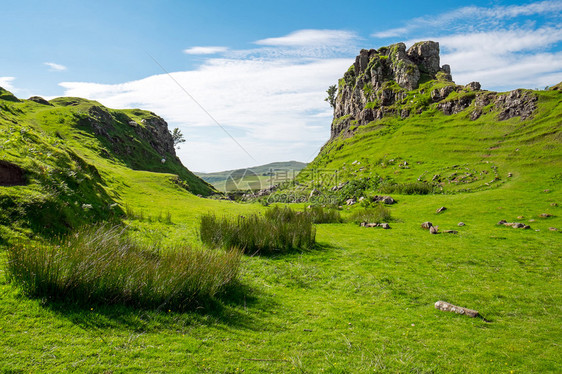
<point>450,232</point>
<point>473,86</point>
<point>434,230</point>
<point>461,224</point>
<point>385,226</point>
<point>426,225</point>
<point>442,209</point>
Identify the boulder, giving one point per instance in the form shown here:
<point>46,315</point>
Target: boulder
<point>442,209</point>
<point>383,199</point>
<point>426,225</point>
<point>461,224</point>
<point>434,230</point>
<point>385,226</point>
<point>473,86</point>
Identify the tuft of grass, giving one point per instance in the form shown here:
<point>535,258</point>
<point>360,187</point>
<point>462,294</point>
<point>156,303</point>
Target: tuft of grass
<point>278,230</point>
<point>376,214</point>
<point>101,265</point>
<point>320,215</point>
<point>413,188</point>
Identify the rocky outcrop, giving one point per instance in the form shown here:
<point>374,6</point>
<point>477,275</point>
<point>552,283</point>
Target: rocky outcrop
<point>153,130</point>
<point>386,82</point>
<point>380,78</point>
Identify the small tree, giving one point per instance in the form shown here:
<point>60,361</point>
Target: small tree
<point>178,138</point>
<point>331,95</point>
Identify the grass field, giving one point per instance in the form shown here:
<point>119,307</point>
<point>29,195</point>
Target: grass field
<point>363,299</point>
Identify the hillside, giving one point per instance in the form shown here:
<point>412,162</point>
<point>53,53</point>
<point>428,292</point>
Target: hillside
<point>61,159</point>
<point>262,176</point>
<point>400,121</point>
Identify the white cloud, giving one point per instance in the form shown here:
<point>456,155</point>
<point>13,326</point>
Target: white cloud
<point>6,83</point>
<point>54,67</point>
<point>473,18</point>
<point>210,50</point>
<point>311,38</point>
<point>274,107</point>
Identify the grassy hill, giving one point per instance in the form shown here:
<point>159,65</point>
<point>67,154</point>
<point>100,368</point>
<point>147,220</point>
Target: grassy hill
<point>69,152</point>
<point>254,177</point>
<point>362,301</point>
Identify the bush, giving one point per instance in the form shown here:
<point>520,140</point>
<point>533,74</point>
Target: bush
<point>377,214</point>
<point>415,188</point>
<point>101,265</point>
<point>278,230</point>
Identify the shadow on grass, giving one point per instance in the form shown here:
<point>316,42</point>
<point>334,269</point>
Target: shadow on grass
<point>230,308</point>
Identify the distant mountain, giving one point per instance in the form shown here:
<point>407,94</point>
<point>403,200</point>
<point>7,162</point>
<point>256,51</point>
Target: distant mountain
<point>254,177</point>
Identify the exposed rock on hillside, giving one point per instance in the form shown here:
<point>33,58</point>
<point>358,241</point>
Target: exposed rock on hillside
<point>391,81</point>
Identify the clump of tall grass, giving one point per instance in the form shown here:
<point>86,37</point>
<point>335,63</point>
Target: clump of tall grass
<point>320,215</point>
<point>101,265</point>
<point>414,188</point>
<point>376,214</point>
<point>278,230</point>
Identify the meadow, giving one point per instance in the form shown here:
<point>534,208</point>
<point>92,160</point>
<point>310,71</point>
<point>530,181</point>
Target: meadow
<point>359,300</point>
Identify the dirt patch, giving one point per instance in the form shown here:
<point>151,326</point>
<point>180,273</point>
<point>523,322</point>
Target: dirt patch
<point>11,175</point>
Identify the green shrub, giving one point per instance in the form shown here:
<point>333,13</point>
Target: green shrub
<point>280,229</point>
<point>377,214</point>
<point>415,188</point>
<point>101,265</point>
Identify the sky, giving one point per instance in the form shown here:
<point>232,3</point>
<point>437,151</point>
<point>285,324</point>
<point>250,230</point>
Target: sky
<point>245,81</point>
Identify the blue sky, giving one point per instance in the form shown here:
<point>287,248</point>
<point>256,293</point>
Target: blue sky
<point>260,68</point>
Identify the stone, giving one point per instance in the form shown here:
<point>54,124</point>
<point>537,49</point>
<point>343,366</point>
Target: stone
<point>384,199</point>
<point>553,229</point>
<point>553,204</point>
<point>520,217</point>
<point>350,202</point>
<point>509,175</point>
<point>545,215</point>
<point>450,232</point>
<point>473,86</point>
<point>442,209</point>
<point>502,222</point>
<point>313,193</point>
<point>434,230</point>
<point>385,226</point>
<point>461,224</point>
<point>426,225</point>
<point>516,103</point>
<point>426,56</point>
<point>447,307</point>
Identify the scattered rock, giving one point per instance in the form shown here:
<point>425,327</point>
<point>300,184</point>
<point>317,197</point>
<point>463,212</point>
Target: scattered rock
<point>436,177</point>
<point>461,224</point>
<point>531,220</point>
<point>426,225</point>
<point>434,230</point>
<point>545,215</point>
<point>553,229</point>
<point>520,217</point>
<point>450,232</point>
<point>553,204</point>
<point>383,199</point>
<point>509,175</point>
<point>442,209</point>
<point>385,226</point>
<point>350,202</point>
<point>515,225</point>
<point>446,307</point>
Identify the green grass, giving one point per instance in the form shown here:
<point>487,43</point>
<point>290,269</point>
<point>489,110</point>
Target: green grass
<point>363,301</point>
<point>376,214</point>
<point>279,230</point>
<point>102,266</point>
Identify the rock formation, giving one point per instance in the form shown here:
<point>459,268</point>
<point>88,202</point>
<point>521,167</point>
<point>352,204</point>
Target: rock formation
<point>386,82</point>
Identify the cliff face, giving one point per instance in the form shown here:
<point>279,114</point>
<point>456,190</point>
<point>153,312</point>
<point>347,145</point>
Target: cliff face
<point>391,81</point>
